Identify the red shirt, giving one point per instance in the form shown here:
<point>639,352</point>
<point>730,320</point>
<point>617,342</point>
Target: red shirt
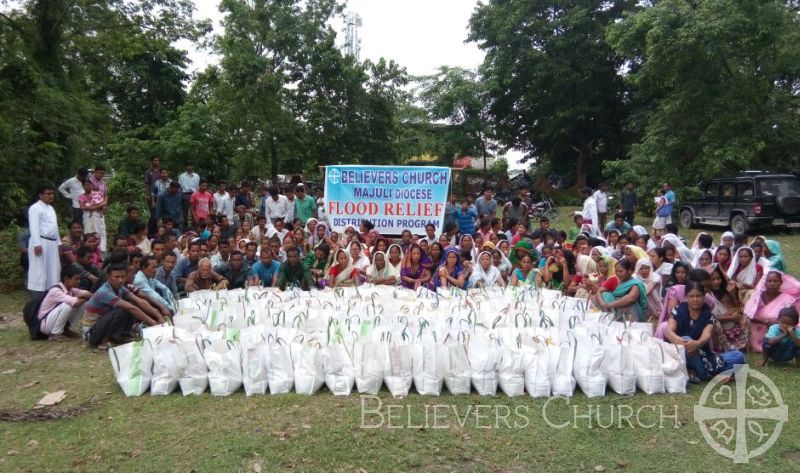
<point>201,204</point>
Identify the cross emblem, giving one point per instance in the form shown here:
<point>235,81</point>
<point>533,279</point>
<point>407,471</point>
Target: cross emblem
<point>333,176</point>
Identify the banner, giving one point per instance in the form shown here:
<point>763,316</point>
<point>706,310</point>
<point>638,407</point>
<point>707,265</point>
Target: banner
<point>394,198</point>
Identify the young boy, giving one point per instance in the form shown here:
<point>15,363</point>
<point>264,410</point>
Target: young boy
<point>782,341</point>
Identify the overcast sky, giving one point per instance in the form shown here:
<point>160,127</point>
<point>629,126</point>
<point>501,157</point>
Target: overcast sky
<point>420,35</point>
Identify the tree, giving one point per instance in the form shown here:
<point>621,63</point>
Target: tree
<point>459,96</point>
<point>716,86</point>
<point>552,79</point>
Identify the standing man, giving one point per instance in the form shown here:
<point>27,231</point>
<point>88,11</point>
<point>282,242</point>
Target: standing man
<point>304,204</point>
<point>487,205</point>
<point>601,199</point>
<point>189,182</point>
<point>669,197</point>
<point>202,203</point>
<point>223,202</point>
<point>150,177</point>
<point>159,187</point>
<point>276,206</point>
<point>170,205</point>
<point>290,206</point>
<point>244,197</point>
<point>590,209</point>
<point>72,189</point>
<point>44,269</point>
<point>628,203</point>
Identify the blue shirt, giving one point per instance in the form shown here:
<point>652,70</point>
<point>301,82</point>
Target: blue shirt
<point>775,331</point>
<point>184,268</point>
<point>466,221</point>
<point>265,273</point>
<point>666,210</point>
<point>170,205</point>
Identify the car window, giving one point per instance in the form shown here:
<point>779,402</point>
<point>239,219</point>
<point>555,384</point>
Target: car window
<point>728,189</point>
<point>712,191</point>
<point>778,186</point>
<point>744,189</point>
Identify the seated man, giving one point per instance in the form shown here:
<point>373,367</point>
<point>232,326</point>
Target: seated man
<point>187,265</point>
<point>62,306</point>
<point>164,273</point>
<point>265,272</point>
<point>109,315</point>
<point>235,271</point>
<point>87,273</point>
<point>205,278</point>
<point>293,272</point>
<point>222,256</point>
<point>619,224</point>
<point>145,280</point>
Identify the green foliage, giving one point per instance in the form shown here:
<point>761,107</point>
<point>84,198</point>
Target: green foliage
<point>553,79</point>
<point>715,86</point>
<point>11,271</point>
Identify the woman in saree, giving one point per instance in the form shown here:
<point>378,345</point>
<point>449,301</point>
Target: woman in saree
<point>732,326</point>
<point>413,272</point>
<point>525,274</point>
<point>557,271</point>
<point>436,253</point>
<point>704,259</point>
<point>359,259</point>
<point>467,248</point>
<point>381,244</point>
<point>773,252</point>
<point>505,247</point>
<point>320,233</point>
<point>774,292</point>
<point>394,257</point>
<point>652,284</point>
<point>318,261</point>
<point>485,274</point>
<point>722,257</point>
<point>584,266</point>
<point>451,273</point>
<point>635,254</point>
<point>629,299</point>
<point>745,272</point>
<point>380,272</point>
<point>501,262</point>
<point>676,294</point>
<point>342,273</point>
<point>311,230</point>
<point>522,248</point>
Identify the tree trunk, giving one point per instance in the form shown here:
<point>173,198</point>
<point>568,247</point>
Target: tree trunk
<point>584,154</point>
<point>273,161</point>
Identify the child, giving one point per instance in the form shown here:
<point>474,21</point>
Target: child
<point>782,342</point>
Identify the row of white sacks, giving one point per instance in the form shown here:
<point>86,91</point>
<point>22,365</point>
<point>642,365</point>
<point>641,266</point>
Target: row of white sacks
<point>514,340</point>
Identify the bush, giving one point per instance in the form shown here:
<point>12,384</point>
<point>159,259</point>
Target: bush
<point>11,275</point>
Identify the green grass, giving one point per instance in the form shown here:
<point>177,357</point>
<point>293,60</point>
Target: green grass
<point>323,433</point>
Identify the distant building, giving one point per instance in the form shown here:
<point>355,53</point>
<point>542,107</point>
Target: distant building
<point>470,162</point>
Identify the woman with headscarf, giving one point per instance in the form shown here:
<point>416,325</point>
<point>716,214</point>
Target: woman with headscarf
<point>584,267</point>
<point>732,328</point>
<point>727,239</point>
<point>360,261</point>
<point>501,262</point>
<point>772,250</point>
<point>681,249</point>
<point>413,272</point>
<point>629,299</point>
<point>466,246</point>
<point>381,273</point>
<point>342,273</point>
<point>704,259</point>
<point>523,247</point>
<point>394,259</point>
<point>484,273</point>
<point>774,292</point>
<point>451,273</point>
<point>745,272</point>
<point>311,228</point>
<point>505,247</point>
<point>652,283</point>
<point>320,233</point>
<point>635,254</point>
<point>524,272</point>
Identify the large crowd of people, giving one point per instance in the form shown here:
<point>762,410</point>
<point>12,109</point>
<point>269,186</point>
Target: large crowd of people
<point>717,298</point>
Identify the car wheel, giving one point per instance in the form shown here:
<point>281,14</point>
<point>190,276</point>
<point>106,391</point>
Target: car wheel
<point>687,218</point>
<point>739,224</point>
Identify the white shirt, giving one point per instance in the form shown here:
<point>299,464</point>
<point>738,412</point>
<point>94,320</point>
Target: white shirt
<point>43,223</point>
<point>278,208</point>
<point>189,182</point>
<point>281,235</point>
<point>590,211</point>
<point>72,188</point>
<point>224,204</point>
<point>601,198</point>
<point>290,214</point>
<point>268,229</point>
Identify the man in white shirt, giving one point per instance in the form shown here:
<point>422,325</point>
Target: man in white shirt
<point>223,201</point>
<point>589,208</point>
<point>190,182</point>
<point>72,189</point>
<point>276,206</point>
<point>291,211</point>
<point>44,270</point>
<point>601,199</point>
